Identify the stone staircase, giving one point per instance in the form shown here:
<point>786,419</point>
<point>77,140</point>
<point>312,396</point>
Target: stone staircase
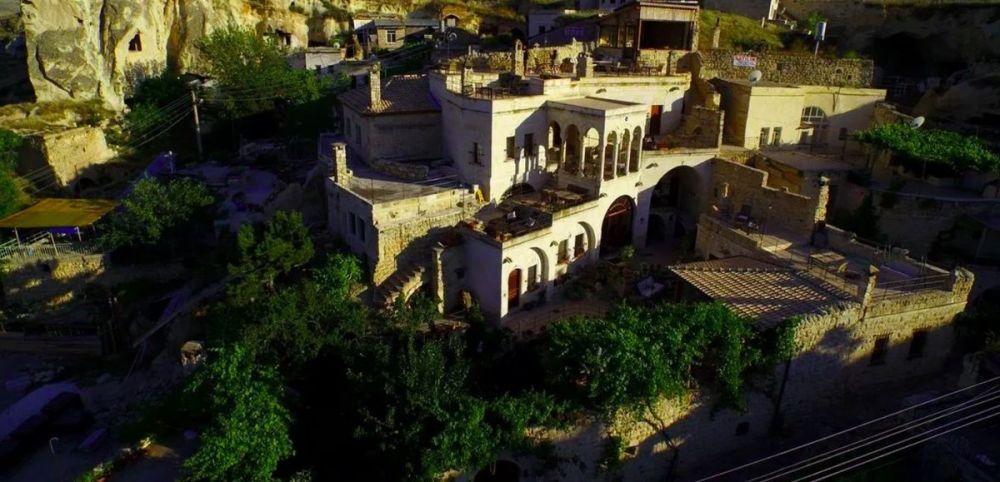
<point>403,282</point>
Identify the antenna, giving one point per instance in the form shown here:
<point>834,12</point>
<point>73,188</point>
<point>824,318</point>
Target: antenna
<point>916,122</point>
<point>755,77</point>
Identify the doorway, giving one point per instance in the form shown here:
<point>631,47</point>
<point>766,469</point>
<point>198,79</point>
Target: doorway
<point>655,115</point>
<point>514,289</point>
<point>616,231</point>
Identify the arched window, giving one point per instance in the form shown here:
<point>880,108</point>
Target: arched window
<point>813,116</point>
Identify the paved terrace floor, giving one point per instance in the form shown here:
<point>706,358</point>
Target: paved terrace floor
<point>378,187</point>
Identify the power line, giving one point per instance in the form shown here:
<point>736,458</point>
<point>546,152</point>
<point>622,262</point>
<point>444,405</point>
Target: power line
<point>922,439</point>
<point>896,430</point>
<point>848,430</point>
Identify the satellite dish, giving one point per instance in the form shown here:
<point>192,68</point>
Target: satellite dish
<point>916,122</point>
<point>755,76</point>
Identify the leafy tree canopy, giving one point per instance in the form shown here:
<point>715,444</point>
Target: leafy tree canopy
<point>951,149</point>
<point>152,209</point>
<point>248,434</point>
<point>638,355</point>
<point>11,196</point>
<point>252,73</point>
<point>284,244</point>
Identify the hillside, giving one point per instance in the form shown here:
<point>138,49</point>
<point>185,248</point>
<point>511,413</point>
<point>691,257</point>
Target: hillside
<point>739,32</point>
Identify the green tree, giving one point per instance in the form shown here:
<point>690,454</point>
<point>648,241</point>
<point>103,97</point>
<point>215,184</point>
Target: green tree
<point>284,245</point>
<point>252,73</point>
<point>625,364</point>
<point>295,323</point>
<point>248,434</point>
<point>417,409</point>
<point>12,198</point>
<point>154,209</point>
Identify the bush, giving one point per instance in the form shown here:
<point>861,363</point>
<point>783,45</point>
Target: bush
<point>948,149</point>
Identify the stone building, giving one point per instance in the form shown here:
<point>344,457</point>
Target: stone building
<point>766,113</point>
<point>390,33</point>
<point>501,176</point>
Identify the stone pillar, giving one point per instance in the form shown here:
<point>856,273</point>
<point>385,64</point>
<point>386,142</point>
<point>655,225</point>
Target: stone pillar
<point>581,155</point>
<point>339,171</point>
<point>584,66</point>
<point>562,155</point>
<point>437,271</point>
<point>375,84</point>
<point>601,160</point>
<point>960,283</point>
<point>518,65</point>
<point>868,290</point>
<point>822,198</point>
<point>716,34</point>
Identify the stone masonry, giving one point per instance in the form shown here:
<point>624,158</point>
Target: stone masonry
<point>786,68</point>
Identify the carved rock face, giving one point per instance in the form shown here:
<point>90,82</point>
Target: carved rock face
<point>99,49</point>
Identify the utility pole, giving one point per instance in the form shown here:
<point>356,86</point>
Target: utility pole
<point>197,122</point>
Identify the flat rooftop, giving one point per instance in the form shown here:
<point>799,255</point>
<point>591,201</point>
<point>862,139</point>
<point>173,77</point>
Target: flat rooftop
<point>756,289</point>
<point>805,161</point>
<point>377,186</point>
<point>595,104</point>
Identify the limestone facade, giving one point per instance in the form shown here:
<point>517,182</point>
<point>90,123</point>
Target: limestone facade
<point>70,155</point>
<point>768,114</point>
<point>783,68</point>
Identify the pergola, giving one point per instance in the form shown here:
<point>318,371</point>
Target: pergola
<point>59,215</point>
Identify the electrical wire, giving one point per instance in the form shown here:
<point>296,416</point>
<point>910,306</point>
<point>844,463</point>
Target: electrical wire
<point>853,446</point>
<point>922,439</point>
<point>847,430</point>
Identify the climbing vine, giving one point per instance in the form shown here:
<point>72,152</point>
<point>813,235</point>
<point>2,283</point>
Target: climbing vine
<point>944,148</point>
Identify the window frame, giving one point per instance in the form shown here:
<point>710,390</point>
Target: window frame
<point>918,344</point>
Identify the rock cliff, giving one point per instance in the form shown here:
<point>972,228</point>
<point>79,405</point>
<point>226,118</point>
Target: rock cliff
<point>97,49</point>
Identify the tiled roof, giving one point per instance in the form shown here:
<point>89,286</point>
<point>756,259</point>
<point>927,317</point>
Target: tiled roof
<point>756,289</point>
<point>400,94</point>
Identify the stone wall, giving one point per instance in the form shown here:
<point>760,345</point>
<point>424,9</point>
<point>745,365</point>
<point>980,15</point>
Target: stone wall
<point>937,217</point>
<point>55,281</point>
<point>406,229</point>
<point>833,366</point>
<point>786,68</point>
<point>69,155</point>
<point>737,186</point>
<point>755,9</point>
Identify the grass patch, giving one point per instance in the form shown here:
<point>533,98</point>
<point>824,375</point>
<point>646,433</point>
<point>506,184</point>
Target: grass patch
<point>739,32</point>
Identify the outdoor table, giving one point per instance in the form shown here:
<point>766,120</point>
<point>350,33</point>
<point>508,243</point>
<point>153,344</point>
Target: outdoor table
<point>829,259</point>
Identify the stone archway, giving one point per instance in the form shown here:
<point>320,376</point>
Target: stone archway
<point>676,202</point>
<point>616,231</point>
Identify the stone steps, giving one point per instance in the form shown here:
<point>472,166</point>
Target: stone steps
<point>394,286</point>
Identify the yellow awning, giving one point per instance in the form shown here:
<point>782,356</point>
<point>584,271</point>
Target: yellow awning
<point>60,213</point>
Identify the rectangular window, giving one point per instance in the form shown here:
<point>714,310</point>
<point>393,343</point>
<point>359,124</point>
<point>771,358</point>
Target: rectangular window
<point>880,351</point>
<point>843,134</point>
<point>477,155</point>
<point>917,344</point>
<point>390,36</point>
<point>361,228</point>
<point>347,127</point>
<point>578,246</point>
<point>776,140</point>
<point>563,251</point>
<point>512,147</point>
<point>352,220</point>
<point>532,277</point>
<point>765,135</point>
<point>529,144</point>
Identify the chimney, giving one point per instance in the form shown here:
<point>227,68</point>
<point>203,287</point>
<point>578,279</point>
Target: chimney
<point>375,84</point>
<point>585,66</point>
<point>518,65</point>
<point>339,171</point>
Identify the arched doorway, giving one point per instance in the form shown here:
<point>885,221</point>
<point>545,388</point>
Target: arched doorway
<point>514,289</point>
<point>616,231</point>
<point>572,164</point>
<point>676,202</point>
<point>554,146</point>
<point>501,471</point>
<point>609,156</point>
<point>591,153</point>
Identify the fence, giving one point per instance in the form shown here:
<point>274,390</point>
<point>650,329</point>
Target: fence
<point>43,246</point>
